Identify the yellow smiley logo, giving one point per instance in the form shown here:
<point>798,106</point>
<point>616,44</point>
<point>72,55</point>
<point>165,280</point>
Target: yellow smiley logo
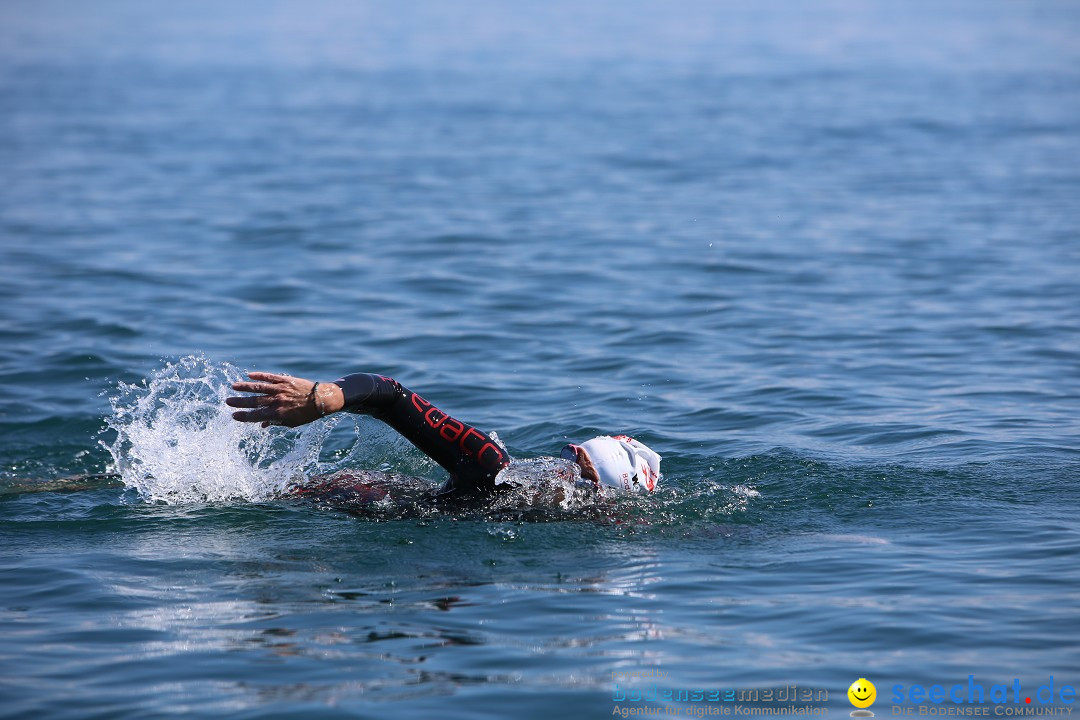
<point>862,693</point>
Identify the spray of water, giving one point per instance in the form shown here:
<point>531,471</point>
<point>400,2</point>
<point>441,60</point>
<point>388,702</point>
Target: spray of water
<point>176,442</point>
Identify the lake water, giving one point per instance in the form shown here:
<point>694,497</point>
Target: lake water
<point>824,257</point>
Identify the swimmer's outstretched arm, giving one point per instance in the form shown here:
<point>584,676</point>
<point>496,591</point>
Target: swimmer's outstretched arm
<point>472,458</point>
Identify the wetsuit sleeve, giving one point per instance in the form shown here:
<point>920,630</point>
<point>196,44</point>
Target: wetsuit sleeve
<point>471,457</point>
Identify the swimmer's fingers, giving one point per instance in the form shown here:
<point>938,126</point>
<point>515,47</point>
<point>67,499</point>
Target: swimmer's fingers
<point>249,401</point>
<point>264,382</point>
<point>280,400</point>
<point>269,416</point>
<point>260,415</point>
<point>256,387</point>
<point>271,377</point>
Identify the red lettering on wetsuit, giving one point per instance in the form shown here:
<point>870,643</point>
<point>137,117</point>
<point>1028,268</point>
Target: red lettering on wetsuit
<point>472,458</point>
<point>451,430</point>
<point>486,447</point>
<point>431,421</point>
<point>420,403</point>
<point>433,416</point>
<point>471,432</point>
<point>454,431</point>
<point>491,447</point>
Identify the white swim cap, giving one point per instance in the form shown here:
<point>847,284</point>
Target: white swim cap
<point>620,461</point>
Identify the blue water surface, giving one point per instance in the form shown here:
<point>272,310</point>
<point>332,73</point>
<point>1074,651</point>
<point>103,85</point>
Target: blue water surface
<point>822,256</point>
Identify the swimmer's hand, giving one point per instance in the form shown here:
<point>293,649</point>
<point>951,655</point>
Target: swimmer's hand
<point>285,400</point>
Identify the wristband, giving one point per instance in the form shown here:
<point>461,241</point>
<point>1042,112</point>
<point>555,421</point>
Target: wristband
<point>319,408</point>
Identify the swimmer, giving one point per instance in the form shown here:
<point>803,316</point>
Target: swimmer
<point>476,463</point>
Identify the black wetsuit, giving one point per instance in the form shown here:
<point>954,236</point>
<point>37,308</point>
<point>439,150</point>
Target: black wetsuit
<point>471,457</point>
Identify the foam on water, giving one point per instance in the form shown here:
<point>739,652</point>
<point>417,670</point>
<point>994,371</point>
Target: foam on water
<point>176,441</point>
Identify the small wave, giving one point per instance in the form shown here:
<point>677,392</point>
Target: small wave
<point>852,538</point>
<point>176,441</point>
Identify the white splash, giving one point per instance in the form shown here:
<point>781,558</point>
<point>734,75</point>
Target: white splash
<point>176,441</point>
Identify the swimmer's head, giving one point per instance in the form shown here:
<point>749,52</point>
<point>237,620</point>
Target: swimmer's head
<point>618,461</point>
